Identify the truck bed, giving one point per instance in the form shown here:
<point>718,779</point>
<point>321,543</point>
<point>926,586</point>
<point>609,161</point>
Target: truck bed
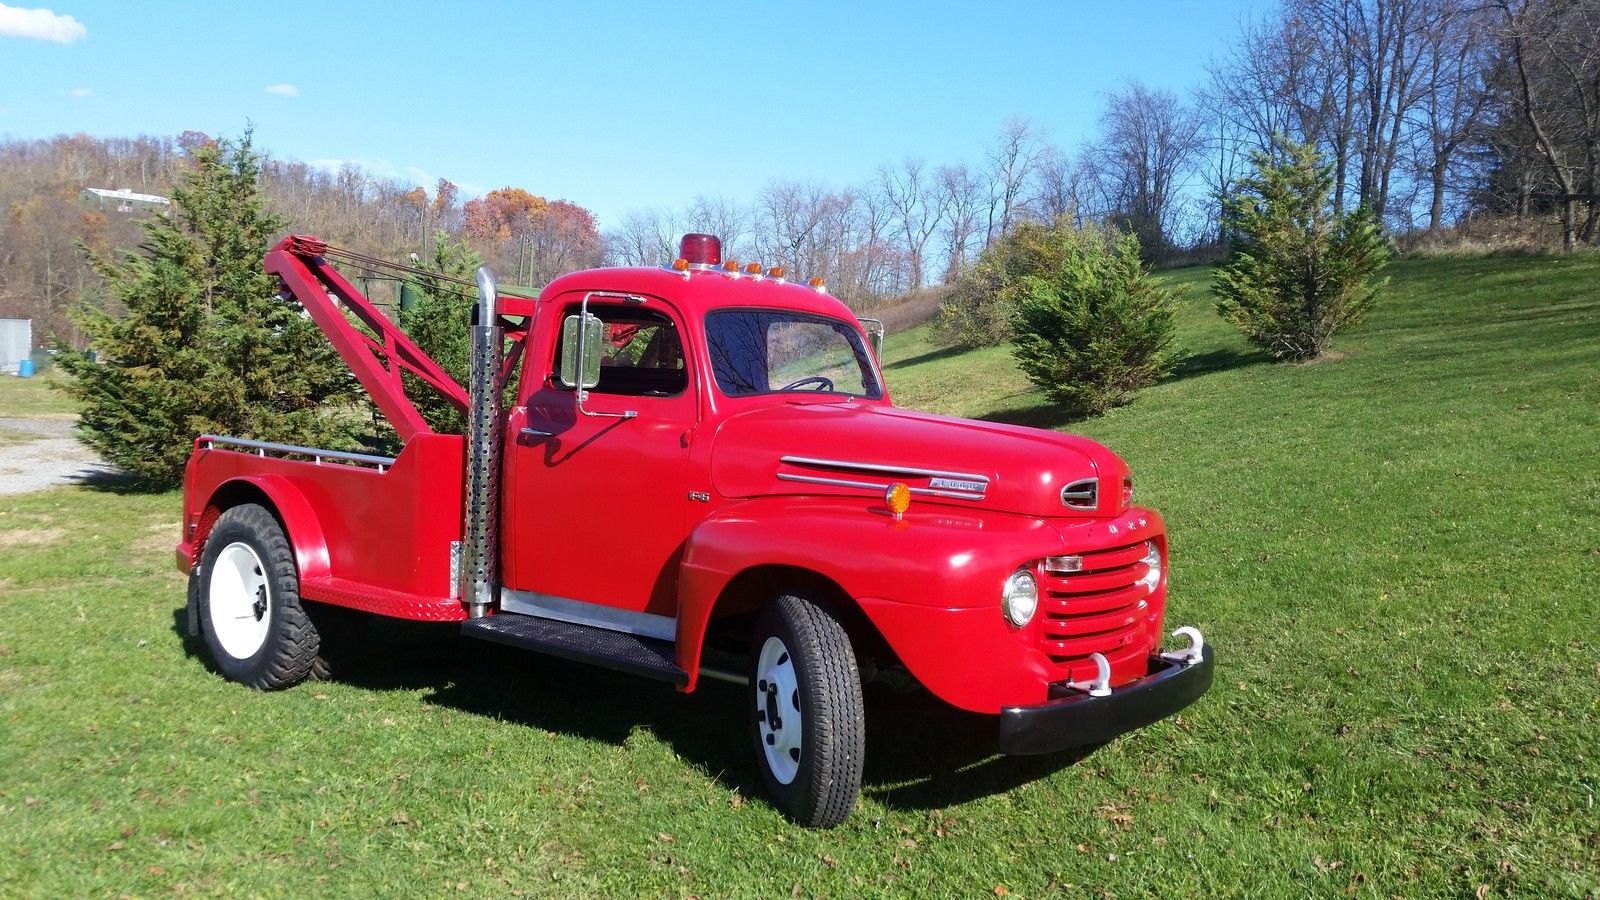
<point>367,535</point>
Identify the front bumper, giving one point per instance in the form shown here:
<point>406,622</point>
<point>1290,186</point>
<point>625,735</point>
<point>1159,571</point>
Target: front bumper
<point>1076,719</point>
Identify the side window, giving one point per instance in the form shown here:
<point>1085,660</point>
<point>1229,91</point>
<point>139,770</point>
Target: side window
<point>641,355</point>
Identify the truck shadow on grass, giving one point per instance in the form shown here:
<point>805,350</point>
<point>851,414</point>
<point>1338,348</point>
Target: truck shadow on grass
<point>921,754</point>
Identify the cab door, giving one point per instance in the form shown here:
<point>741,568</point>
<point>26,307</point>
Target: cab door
<point>596,504</point>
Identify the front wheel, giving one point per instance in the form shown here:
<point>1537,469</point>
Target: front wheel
<point>249,594</point>
<point>807,716</point>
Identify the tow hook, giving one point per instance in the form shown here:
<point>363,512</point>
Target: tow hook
<point>1101,685</point>
<point>1190,654</point>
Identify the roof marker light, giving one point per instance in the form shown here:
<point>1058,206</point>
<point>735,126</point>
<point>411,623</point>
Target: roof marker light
<point>775,272</point>
<point>752,268</point>
<point>818,285</point>
<point>731,265</point>
<point>680,265</point>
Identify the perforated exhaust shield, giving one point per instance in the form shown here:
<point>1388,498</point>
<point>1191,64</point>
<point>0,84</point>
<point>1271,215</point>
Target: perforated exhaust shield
<point>480,569</point>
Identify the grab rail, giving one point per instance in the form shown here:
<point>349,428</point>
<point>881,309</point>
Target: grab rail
<point>317,454</point>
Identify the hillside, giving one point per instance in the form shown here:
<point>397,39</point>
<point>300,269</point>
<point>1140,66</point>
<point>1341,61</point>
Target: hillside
<point>1396,553</point>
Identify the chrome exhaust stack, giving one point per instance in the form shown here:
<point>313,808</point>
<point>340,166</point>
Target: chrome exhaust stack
<point>480,557</point>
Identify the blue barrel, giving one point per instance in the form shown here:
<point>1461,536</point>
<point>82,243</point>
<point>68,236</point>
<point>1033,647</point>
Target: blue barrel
<point>25,368</point>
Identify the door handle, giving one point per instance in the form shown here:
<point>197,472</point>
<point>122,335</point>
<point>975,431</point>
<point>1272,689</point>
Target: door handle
<point>529,436</point>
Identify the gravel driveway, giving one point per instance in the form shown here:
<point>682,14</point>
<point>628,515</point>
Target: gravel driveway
<point>52,457</point>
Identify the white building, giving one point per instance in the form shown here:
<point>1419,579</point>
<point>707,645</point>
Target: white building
<point>16,340</point>
<point>124,200</point>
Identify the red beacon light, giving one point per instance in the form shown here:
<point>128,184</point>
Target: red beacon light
<point>701,249</point>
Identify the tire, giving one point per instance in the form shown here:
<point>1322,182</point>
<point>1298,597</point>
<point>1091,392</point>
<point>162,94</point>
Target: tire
<point>249,597</point>
<point>807,721</point>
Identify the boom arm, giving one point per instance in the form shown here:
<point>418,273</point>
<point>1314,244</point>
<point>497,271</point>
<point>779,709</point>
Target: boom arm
<point>377,363</point>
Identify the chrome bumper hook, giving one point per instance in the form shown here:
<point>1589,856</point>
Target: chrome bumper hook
<point>1101,685</point>
<point>1190,654</point>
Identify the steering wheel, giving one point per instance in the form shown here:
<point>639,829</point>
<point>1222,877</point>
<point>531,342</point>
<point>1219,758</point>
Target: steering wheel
<point>824,383</point>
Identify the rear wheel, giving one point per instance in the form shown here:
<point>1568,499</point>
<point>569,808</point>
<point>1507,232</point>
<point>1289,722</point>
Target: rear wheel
<point>249,593</point>
<point>806,715</point>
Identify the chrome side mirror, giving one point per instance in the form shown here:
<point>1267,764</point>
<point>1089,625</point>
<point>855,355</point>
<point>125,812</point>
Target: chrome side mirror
<point>581,338</point>
<point>874,329</point>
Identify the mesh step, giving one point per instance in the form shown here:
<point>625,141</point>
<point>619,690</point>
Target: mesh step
<point>629,653</point>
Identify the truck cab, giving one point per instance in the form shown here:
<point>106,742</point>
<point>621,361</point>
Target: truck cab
<point>699,472</point>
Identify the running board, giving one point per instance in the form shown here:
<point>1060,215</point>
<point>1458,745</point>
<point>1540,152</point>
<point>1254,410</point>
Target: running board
<point>629,653</point>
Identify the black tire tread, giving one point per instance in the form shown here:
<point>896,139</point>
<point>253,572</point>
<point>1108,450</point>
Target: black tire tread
<point>835,726</point>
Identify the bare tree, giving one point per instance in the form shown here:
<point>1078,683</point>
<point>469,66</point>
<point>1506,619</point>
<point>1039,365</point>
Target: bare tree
<point>1553,51</point>
<point>918,209</point>
<point>1453,97</point>
<point>962,196</point>
<point>645,238</point>
<point>1012,158</point>
<point>789,220</point>
<point>1387,37</point>
<point>723,218</point>
<point>1148,144</point>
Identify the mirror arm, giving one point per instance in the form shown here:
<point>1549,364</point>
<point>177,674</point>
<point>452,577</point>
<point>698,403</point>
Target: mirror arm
<point>579,391</point>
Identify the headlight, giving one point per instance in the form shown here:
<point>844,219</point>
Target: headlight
<point>1152,558</point>
<point>1020,598</point>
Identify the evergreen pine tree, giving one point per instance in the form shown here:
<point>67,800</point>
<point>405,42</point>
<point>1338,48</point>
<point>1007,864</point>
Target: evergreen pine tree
<point>441,323</point>
<point>1298,273</point>
<point>1098,328</point>
<point>204,345</point>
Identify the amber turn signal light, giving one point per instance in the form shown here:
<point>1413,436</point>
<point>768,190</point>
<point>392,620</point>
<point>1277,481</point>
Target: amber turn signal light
<point>898,499</point>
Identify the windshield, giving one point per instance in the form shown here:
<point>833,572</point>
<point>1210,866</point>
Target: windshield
<point>759,351</point>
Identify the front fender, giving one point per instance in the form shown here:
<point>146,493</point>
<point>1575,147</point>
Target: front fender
<point>936,566</point>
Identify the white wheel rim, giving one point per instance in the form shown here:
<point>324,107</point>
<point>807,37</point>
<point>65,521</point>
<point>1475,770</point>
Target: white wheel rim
<point>240,600</point>
<point>779,725</point>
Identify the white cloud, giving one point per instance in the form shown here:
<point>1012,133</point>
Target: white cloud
<point>283,90</point>
<point>39,24</point>
<point>379,168</point>
<point>80,93</point>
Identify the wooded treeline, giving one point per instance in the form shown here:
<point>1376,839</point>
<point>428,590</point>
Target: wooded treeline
<point>43,219</point>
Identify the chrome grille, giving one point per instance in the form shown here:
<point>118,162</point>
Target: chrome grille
<point>1101,609</point>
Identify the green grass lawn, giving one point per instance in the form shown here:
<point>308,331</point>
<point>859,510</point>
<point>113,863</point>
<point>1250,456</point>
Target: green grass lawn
<point>32,398</point>
<point>1395,551</point>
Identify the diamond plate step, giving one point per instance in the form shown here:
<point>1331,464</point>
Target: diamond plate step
<point>629,653</point>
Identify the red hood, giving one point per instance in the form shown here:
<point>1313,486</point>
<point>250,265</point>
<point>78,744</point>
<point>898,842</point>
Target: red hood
<point>792,448</point>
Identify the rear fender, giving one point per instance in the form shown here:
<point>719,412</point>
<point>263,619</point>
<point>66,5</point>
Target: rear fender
<point>288,504</point>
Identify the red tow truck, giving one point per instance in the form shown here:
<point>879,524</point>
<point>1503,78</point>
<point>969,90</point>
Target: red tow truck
<point>702,455</point>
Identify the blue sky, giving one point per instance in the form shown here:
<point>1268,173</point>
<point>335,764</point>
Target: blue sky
<point>612,105</point>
